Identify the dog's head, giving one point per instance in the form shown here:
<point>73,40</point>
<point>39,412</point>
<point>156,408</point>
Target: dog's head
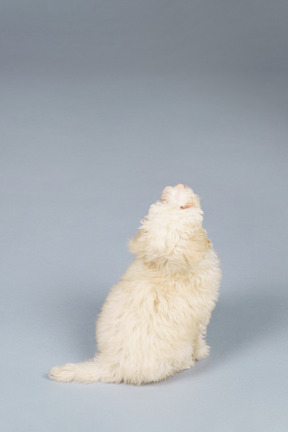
<point>165,234</point>
<point>181,197</point>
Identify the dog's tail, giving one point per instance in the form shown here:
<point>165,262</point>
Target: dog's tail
<point>86,372</point>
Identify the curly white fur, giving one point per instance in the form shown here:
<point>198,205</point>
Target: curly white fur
<point>153,323</point>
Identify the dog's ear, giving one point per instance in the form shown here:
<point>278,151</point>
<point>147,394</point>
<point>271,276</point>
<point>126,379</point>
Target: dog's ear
<point>153,244</point>
<point>196,247</point>
<point>137,244</point>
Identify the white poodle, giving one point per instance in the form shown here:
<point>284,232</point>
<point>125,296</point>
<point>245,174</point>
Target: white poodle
<point>153,323</point>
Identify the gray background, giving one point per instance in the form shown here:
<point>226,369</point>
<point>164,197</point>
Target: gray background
<point>104,103</point>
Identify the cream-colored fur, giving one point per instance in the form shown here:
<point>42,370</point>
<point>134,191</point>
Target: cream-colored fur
<point>153,323</point>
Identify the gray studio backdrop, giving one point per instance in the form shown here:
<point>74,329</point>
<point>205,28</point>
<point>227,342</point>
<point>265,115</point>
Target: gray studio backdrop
<point>104,103</point>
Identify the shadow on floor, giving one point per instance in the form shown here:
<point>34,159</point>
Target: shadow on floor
<point>239,322</point>
<point>242,320</point>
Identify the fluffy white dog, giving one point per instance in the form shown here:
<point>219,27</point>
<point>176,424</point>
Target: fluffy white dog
<point>153,323</point>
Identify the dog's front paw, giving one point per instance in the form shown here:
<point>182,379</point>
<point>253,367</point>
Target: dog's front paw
<point>64,373</point>
<point>202,352</point>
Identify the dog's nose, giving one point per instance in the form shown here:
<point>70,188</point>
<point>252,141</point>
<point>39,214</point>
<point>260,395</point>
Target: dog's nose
<point>180,186</point>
